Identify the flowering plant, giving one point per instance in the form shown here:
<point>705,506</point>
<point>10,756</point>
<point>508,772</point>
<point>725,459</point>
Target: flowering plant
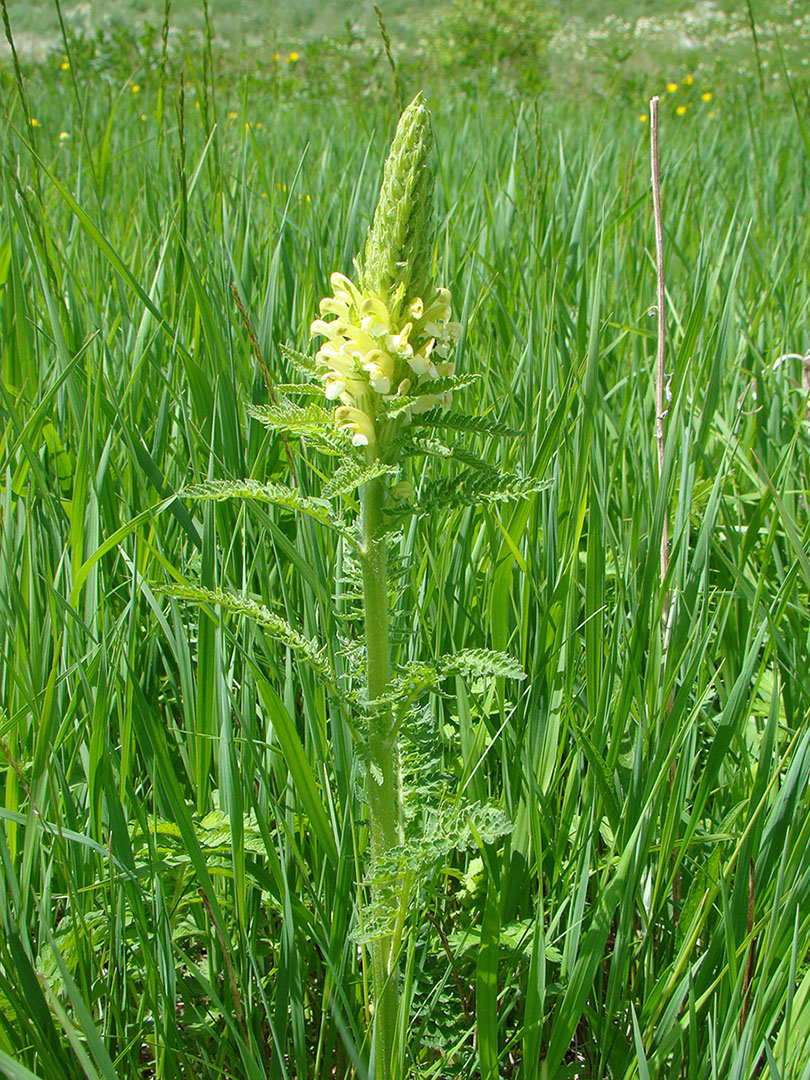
<point>385,368</point>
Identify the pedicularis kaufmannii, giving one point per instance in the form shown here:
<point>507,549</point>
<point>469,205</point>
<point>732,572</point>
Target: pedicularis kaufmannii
<point>387,348</point>
<point>385,367</point>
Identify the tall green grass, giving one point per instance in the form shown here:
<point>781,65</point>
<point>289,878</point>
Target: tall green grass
<point>183,847</point>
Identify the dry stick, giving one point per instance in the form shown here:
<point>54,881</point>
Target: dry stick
<point>660,374</point>
<point>448,952</point>
<point>226,956</point>
<point>661,410</point>
<point>752,948</point>
<point>390,55</point>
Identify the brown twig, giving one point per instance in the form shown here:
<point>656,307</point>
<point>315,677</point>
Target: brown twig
<point>390,55</point>
<point>752,948</point>
<point>661,407</point>
<point>226,956</point>
<point>448,952</point>
<point>661,410</point>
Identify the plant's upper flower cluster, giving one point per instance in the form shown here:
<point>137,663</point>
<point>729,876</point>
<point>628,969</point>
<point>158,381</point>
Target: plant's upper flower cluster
<point>373,352</point>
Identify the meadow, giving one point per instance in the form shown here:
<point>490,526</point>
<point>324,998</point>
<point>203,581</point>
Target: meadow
<point>614,852</point>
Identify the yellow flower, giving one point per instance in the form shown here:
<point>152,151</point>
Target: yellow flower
<point>65,65</point>
<point>276,57</point>
<point>292,58</point>
<point>643,118</point>
<point>64,136</point>
<point>681,110</point>
<point>706,95</point>
<point>143,116</point>
<point>232,115</point>
<point>672,87</point>
<point>688,80</point>
<point>35,122</point>
<point>136,89</point>
<point>356,423</point>
<point>382,349</point>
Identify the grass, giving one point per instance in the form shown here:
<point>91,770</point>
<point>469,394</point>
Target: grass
<point>183,849</point>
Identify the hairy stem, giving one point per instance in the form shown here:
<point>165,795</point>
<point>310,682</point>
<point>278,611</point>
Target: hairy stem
<point>383,779</point>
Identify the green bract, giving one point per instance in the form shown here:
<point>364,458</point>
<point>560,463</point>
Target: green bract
<point>397,259</point>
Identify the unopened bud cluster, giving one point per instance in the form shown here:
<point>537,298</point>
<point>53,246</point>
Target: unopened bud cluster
<point>378,349</point>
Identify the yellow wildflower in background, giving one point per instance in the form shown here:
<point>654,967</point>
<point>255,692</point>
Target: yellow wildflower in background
<point>688,80</point>
<point>672,87</point>
<point>65,65</point>
<point>643,118</point>
<point>35,122</point>
<point>292,58</point>
<point>681,110</point>
<point>64,136</point>
<point>706,95</point>
<point>136,88</point>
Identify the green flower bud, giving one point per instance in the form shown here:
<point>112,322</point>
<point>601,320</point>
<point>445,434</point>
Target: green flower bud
<point>398,249</point>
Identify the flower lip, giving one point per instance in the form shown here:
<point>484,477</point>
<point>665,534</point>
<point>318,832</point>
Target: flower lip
<point>345,289</point>
<point>357,424</point>
<point>330,305</point>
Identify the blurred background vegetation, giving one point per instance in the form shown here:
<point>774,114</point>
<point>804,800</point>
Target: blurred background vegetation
<point>580,48</point>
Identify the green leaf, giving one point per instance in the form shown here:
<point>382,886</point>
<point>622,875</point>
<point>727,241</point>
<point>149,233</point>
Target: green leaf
<point>243,606</point>
<point>486,978</point>
<point>475,663</point>
<point>299,361</point>
<point>14,1070</point>
<point>474,487</point>
<point>301,772</point>
<point>604,780</point>
<point>277,494</point>
<point>299,420</point>
<point>478,425</point>
<point>353,474</point>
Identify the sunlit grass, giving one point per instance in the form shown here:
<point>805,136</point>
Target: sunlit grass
<point>183,854</point>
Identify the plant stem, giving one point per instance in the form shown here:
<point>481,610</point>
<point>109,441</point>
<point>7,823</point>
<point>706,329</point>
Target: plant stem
<point>661,407</point>
<point>383,784</point>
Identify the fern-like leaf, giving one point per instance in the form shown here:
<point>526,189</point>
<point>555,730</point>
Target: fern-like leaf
<point>308,389</point>
<point>478,425</point>
<point>311,422</point>
<point>449,382</point>
<point>294,419</point>
<point>352,474</point>
<point>475,663</point>
<point>277,627</point>
<point>277,494</point>
<point>477,487</point>
<point>409,447</point>
<point>419,676</point>
<point>299,361</point>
